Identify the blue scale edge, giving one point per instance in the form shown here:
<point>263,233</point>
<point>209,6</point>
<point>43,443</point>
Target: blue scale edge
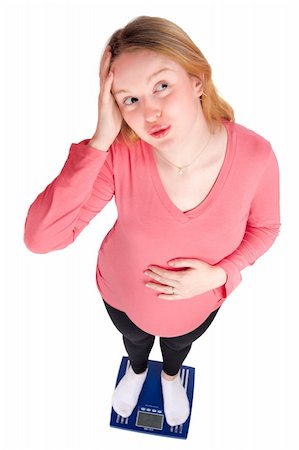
<point>149,408</point>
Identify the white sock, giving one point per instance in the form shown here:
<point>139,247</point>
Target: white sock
<point>126,394</point>
<point>176,403</point>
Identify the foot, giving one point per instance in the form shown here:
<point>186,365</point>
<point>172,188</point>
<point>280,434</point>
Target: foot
<point>176,403</point>
<point>126,394</point>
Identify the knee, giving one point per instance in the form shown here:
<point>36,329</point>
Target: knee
<point>139,337</point>
<point>175,344</point>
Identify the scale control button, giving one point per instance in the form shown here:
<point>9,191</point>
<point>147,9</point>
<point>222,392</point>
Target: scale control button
<point>154,410</point>
<point>160,412</point>
<point>142,409</point>
<point>148,409</point>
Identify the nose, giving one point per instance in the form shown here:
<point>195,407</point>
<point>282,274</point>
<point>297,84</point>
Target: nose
<point>152,110</point>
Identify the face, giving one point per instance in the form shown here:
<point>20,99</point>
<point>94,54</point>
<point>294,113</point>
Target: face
<point>170,97</point>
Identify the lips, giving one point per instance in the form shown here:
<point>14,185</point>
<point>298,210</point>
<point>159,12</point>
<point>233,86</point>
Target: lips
<point>157,128</point>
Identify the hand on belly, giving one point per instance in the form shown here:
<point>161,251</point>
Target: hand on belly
<point>197,278</point>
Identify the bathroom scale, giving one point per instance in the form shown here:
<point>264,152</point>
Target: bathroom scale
<point>148,415</point>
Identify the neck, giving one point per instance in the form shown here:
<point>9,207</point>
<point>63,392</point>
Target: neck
<point>182,153</point>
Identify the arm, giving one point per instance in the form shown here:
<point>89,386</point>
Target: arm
<point>262,228</point>
<point>59,214</point>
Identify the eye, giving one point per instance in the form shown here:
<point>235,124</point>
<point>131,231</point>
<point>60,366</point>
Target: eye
<point>134,98</point>
<point>128,98</point>
<point>163,84</point>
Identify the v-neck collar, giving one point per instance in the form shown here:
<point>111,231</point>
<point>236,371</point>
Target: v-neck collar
<point>177,213</point>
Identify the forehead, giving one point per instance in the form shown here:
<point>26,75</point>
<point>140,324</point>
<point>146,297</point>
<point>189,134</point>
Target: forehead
<point>140,64</point>
<point>147,56</point>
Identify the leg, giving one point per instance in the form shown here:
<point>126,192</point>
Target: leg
<point>137,342</point>
<point>174,351</point>
<point>138,345</point>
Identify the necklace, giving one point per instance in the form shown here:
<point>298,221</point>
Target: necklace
<point>180,171</point>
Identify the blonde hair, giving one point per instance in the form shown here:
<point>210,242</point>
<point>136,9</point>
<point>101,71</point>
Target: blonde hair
<point>165,37</point>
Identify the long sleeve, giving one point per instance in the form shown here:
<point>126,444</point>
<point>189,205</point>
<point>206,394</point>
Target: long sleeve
<point>263,226</point>
<point>83,187</point>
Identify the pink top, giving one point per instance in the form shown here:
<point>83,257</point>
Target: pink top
<point>232,227</point>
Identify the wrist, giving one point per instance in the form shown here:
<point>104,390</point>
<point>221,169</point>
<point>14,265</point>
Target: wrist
<point>220,276</point>
<point>98,144</point>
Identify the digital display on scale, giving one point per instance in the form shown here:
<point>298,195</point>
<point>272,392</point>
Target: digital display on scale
<point>150,420</point>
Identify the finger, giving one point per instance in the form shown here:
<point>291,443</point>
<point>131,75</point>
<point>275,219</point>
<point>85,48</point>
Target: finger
<point>104,80</point>
<point>170,297</point>
<point>107,88</point>
<point>161,278</point>
<point>166,289</point>
<point>105,53</point>
<point>105,63</point>
<point>169,274</point>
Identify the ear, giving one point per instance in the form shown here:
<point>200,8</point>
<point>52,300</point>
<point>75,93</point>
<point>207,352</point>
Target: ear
<point>198,83</point>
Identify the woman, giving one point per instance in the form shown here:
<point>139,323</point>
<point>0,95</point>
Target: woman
<point>191,186</point>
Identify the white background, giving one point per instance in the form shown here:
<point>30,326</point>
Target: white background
<point>59,351</point>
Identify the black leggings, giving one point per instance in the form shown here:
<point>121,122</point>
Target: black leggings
<point>138,343</point>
